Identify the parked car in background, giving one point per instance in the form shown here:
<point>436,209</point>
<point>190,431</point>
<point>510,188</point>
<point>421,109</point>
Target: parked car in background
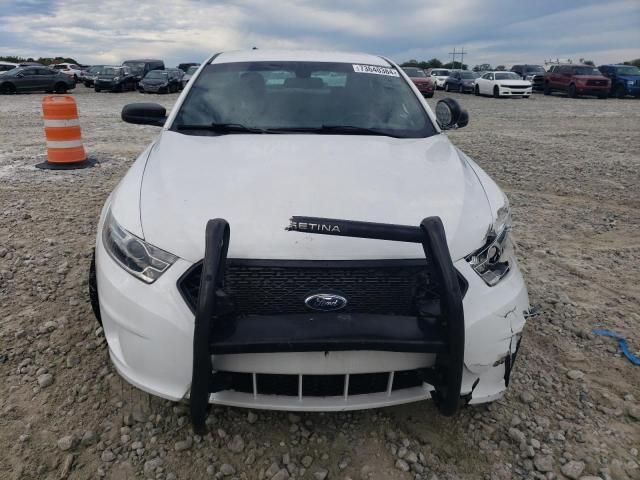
<point>502,84</point>
<point>533,73</point>
<point>186,66</point>
<point>423,83</point>
<point>577,80</point>
<point>115,79</point>
<point>35,79</point>
<point>625,79</point>
<point>187,76</point>
<point>71,69</point>
<point>6,66</point>
<point>140,68</point>
<point>439,76</point>
<point>161,81</point>
<point>460,81</point>
<point>91,74</point>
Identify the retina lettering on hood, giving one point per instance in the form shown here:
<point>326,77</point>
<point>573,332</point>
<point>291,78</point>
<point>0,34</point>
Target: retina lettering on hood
<point>312,227</point>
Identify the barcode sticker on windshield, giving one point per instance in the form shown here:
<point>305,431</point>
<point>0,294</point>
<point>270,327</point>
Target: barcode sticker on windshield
<point>390,72</point>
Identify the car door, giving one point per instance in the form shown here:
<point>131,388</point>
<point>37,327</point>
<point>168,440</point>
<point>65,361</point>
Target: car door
<point>46,78</point>
<point>27,81</point>
<point>484,83</point>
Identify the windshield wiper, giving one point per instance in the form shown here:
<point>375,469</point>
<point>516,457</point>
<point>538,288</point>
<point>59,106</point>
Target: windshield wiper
<point>222,128</point>
<point>339,129</point>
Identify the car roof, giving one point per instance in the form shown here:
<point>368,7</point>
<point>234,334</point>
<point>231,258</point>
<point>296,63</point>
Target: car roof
<point>299,56</point>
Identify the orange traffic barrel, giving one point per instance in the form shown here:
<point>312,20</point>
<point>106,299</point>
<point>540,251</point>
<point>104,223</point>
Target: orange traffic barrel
<point>62,130</point>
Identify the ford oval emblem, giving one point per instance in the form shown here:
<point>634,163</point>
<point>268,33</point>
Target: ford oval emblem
<point>326,302</point>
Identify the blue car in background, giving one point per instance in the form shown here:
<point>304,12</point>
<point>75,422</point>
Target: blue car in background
<point>625,79</point>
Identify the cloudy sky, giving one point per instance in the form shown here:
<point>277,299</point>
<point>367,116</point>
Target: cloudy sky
<point>492,31</point>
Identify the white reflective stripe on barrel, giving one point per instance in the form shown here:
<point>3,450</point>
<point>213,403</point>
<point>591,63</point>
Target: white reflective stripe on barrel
<point>66,144</point>
<point>62,123</point>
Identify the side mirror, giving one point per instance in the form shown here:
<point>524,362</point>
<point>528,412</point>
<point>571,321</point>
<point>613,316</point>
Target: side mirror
<point>450,115</point>
<point>20,75</point>
<point>144,114</point>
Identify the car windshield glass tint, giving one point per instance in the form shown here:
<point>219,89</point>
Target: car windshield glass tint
<point>535,69</point>
<point>467,75</point>
<point>507,76</point>
<point>95,70</point>
<point>414,72</point>
<point>630,70</point>
<point>135,66</point>
<point>192,70</point>
<point>156,74</point>
<point>586,71</point>
<point>305,97</point>
<point>112,71</point>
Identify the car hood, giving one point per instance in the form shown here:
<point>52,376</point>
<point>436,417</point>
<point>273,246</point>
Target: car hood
<point>257,182</point>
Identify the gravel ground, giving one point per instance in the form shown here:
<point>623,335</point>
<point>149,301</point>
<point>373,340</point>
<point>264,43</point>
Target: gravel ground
<point>571,169</point>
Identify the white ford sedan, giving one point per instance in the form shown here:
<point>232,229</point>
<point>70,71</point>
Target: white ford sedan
<point>502,84</point>
<point>302,235</point>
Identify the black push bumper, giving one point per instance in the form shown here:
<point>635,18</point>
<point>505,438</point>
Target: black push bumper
<point>439,331</point>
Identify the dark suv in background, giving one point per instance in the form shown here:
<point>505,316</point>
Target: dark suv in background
<point>115,79</point>
<point>577,80</point>
<point>533,73</point>
<point>625,79</point>
<point>140,68</point>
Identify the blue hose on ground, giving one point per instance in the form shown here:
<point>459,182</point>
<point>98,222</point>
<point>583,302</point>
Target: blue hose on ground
<point>621,342</point>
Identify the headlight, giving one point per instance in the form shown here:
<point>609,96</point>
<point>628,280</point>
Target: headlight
<point>139,258</point>
<point>629,82</point>
<point>115,79</point>
<point>492,261</point>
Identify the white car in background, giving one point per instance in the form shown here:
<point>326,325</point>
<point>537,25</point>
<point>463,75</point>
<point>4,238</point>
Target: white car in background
<point>6,66</point>
<point>502,84</point>
<point>71,69</point>
<point>314,244</point>
<point>439,76</point>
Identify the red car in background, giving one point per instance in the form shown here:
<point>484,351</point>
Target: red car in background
<point>576,80</point>
<point>421,80</point>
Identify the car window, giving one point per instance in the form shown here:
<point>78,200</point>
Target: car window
<point>305,96</point>
<point>585,70</point>
<point>507,76</point>
<point>29,72</point>
<point>466,75</point>
<point>628,70</point>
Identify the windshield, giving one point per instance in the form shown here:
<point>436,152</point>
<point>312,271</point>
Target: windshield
<point>440,73</point>
<point>414,72</point>
<point>112,70</point>
<point>192,70</point>
<point>507,76</point>
<point>308,97</point>
<point>96,70</point>
<point>534,69</point>
<point>59,67</point>
<point>135,67</point>
<point>586,71</point>
<point>156,74</point>
<point>467,75</point>
<point>630,70</point>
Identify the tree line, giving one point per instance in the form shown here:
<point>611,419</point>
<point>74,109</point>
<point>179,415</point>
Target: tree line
<point>41,60</point>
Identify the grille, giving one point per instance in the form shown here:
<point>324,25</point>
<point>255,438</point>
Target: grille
<point>596,83</point>
<point>280,287</point>
<point>321,385</point>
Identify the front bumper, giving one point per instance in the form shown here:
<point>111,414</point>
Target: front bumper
<point>152,88</point>
<point>592,90</point>
<point>102,85</point>
<point>149,329</point>
<point>515,92</point>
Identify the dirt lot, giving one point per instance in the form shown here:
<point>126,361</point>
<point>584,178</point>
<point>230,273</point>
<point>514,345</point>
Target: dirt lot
<point>571,169</point>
